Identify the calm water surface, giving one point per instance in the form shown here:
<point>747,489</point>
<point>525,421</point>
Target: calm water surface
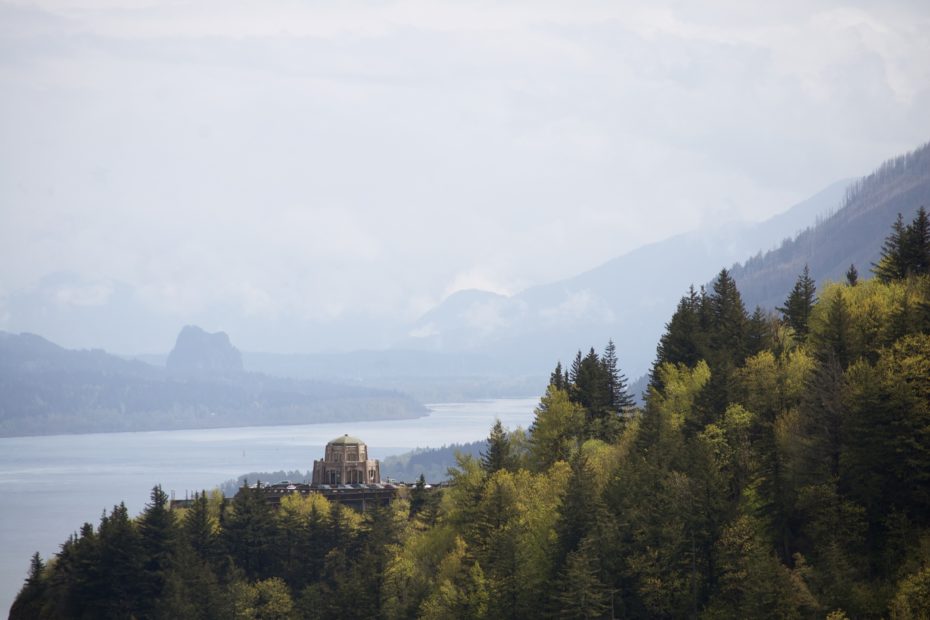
<point>49,486</point>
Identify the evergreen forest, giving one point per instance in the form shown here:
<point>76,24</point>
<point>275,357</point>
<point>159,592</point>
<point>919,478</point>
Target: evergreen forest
<point>779,468</point>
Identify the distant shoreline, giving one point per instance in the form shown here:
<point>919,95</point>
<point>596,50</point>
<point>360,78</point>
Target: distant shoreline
<point>205,425</point>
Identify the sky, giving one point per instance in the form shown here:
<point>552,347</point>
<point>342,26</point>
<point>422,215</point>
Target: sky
<point>316,175</point>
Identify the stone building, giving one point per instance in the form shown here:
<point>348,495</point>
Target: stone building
<point>346,461</point>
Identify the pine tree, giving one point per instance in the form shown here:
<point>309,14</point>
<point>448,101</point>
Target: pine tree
<point>620,399</point>
<point>726,350</point>
<point>727,316</point>
<point>198,528</point>
<point>892,264</point>
<point>498,455</point>
<point>684,340</point>
<point>759,332</point>
<point>580,594</point>
<point>574,371</point>
<point>29,601</point>
<point>916,250</point>
<point>852,276</point>
<point>591,385</point>
<point>834,342</point>
<point>800,303</point>
<point>557,378</point>
<point>158,539</point>
<point>249,533</point>
<point>118,584</point>
<point>417,497</point>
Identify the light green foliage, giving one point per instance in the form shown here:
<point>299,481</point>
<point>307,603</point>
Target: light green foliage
<point>681,386</point>
<point>912,600</point>
<point>603,459</point>
<point>296,508</point>
<point>412,573</point>
<point>269,599</point>
<point>728,443</point>
<point>556,429</point>
<point>460,591</point>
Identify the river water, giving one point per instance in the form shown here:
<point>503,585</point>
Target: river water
<point>50,486</point>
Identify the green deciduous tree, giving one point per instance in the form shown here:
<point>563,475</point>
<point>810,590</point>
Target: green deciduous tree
<point>556,429</point>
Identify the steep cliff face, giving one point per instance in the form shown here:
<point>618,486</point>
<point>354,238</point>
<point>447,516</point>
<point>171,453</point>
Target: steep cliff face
<point>203,353</point>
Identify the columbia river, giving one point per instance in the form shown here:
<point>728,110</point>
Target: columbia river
<point>51,485</point>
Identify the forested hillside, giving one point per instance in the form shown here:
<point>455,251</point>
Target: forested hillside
<point>779,468</point>
<point>850,235</point>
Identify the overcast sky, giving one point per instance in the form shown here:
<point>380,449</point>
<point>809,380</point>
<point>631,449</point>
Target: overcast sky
<point>336,163</point>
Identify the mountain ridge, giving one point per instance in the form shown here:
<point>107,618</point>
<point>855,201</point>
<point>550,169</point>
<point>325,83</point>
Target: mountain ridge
<point>615,300</point>
<point>47,389</point>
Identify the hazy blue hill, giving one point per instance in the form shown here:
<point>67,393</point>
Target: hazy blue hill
<point>46,389</point>
<point>428,376</point>
<point>35,354</point>
<point>853,234</point>
<point>200,352</point>
<point>432,463</point>
<point>627,298</point>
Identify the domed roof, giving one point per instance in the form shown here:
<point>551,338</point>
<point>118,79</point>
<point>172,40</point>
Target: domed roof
<point>347,439</point>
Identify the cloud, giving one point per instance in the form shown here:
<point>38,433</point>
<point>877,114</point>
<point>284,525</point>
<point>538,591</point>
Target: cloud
<point>326,162</point>
<point>579,306</point>
<point>96,294</point>
<point>428,330</point>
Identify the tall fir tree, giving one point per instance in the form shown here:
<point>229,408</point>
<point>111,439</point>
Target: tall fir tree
<point>727,347</point>
<point>800,303</point>
<point>852,275</point>
<point>759,332</point>
<point>684,340</point>
<point>617,385</point>
<point>575,370</point>
<point>158,538</point>
<point>890,264</point>
<point>727,317</point>
<point>198,528</point>
<point>29,601</point>
<point>918,244</point>
<point>833,340</point>
<point>906,250</point>
<point>557,378</point>
<point>498,454</point>
<point>249,531</point>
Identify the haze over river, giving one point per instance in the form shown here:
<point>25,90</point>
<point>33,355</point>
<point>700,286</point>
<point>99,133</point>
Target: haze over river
<point>50,486</point>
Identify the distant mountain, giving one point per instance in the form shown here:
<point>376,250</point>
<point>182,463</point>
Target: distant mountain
<point>852,235</point>
<point>46,389</point>
<point>200,353</point>
<point>628,299</point>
